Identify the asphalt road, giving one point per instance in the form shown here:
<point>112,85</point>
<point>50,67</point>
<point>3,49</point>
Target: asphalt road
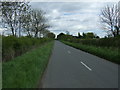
<point>72,68</point>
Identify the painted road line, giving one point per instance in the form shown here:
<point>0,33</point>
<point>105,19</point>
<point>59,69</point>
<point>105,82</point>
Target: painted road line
<point>86,66</point>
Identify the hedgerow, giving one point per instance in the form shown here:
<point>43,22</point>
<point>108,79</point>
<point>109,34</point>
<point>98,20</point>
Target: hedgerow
<point>14,46</point>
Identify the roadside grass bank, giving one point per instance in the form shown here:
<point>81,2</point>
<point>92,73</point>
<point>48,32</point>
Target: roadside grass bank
<point>111,54</point>
<point>25,71</point>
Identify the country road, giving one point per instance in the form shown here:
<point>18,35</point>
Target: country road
<point>72,68</point>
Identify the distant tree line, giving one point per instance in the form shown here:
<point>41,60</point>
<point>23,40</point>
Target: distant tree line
<point>89,35</point>
<point>20,19</point>
<point>89,39</point>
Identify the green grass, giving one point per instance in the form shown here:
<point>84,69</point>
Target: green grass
<point>110,54</point>
<point>25,71</point>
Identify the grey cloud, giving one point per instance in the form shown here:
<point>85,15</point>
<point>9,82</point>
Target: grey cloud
<point>73,17</point>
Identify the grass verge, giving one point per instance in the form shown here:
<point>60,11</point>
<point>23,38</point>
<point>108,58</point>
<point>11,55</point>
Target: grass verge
<point>103,52</point>
<point>25,71</point>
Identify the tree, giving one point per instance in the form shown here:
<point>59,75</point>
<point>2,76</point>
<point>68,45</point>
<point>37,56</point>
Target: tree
<point>60,36</point>
<point>26,20</point>
<point>84,35</point>
<point>79,36</point>
<point>90,35</point>
<point>51,35</point>
<point>67,33</point>
<point>95,36</point>
<point>110,17</point>
<point>43,27</point>
<point>11,15</point>
<point>45,32</point>
<point>19,18</point>
<point>23,9</point>
<point>38,22</point>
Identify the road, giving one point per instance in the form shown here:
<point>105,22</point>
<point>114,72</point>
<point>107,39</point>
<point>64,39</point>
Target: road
<point>72,68</point>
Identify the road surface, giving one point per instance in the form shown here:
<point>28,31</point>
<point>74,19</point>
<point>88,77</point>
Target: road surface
<point>72,68</point>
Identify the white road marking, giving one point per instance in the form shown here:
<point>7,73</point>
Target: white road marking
<point>86,66</point>
<point>69,52</point>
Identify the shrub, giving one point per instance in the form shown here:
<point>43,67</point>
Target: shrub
<point>13,46</point>
<point>102,42</point>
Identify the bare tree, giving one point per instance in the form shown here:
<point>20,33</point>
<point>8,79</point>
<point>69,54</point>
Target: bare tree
<point>110,18</point>
<point>38,21</point>
<point>11,15</point>
<point>119,16</point>
<point>43,27</point>
<point>23,9</point>
<point>26,20</point>
<point>45,32</point>
<point>19,18</point>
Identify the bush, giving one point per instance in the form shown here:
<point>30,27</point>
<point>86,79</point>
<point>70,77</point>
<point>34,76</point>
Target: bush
<point>13,46</point>
<point>103,42</point>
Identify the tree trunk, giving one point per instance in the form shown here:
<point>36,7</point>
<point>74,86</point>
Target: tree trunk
<point>12,31</point>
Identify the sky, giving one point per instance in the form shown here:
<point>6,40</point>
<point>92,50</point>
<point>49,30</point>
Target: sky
<point>74,16</point>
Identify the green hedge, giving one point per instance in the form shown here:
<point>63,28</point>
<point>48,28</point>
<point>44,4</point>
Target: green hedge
<point>13,46</point>
<point>102,42</point>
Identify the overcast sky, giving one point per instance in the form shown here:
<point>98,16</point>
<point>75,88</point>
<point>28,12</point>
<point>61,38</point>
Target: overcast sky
<point>73,16</point>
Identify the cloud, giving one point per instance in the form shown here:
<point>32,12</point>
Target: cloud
<point>73,16</point>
